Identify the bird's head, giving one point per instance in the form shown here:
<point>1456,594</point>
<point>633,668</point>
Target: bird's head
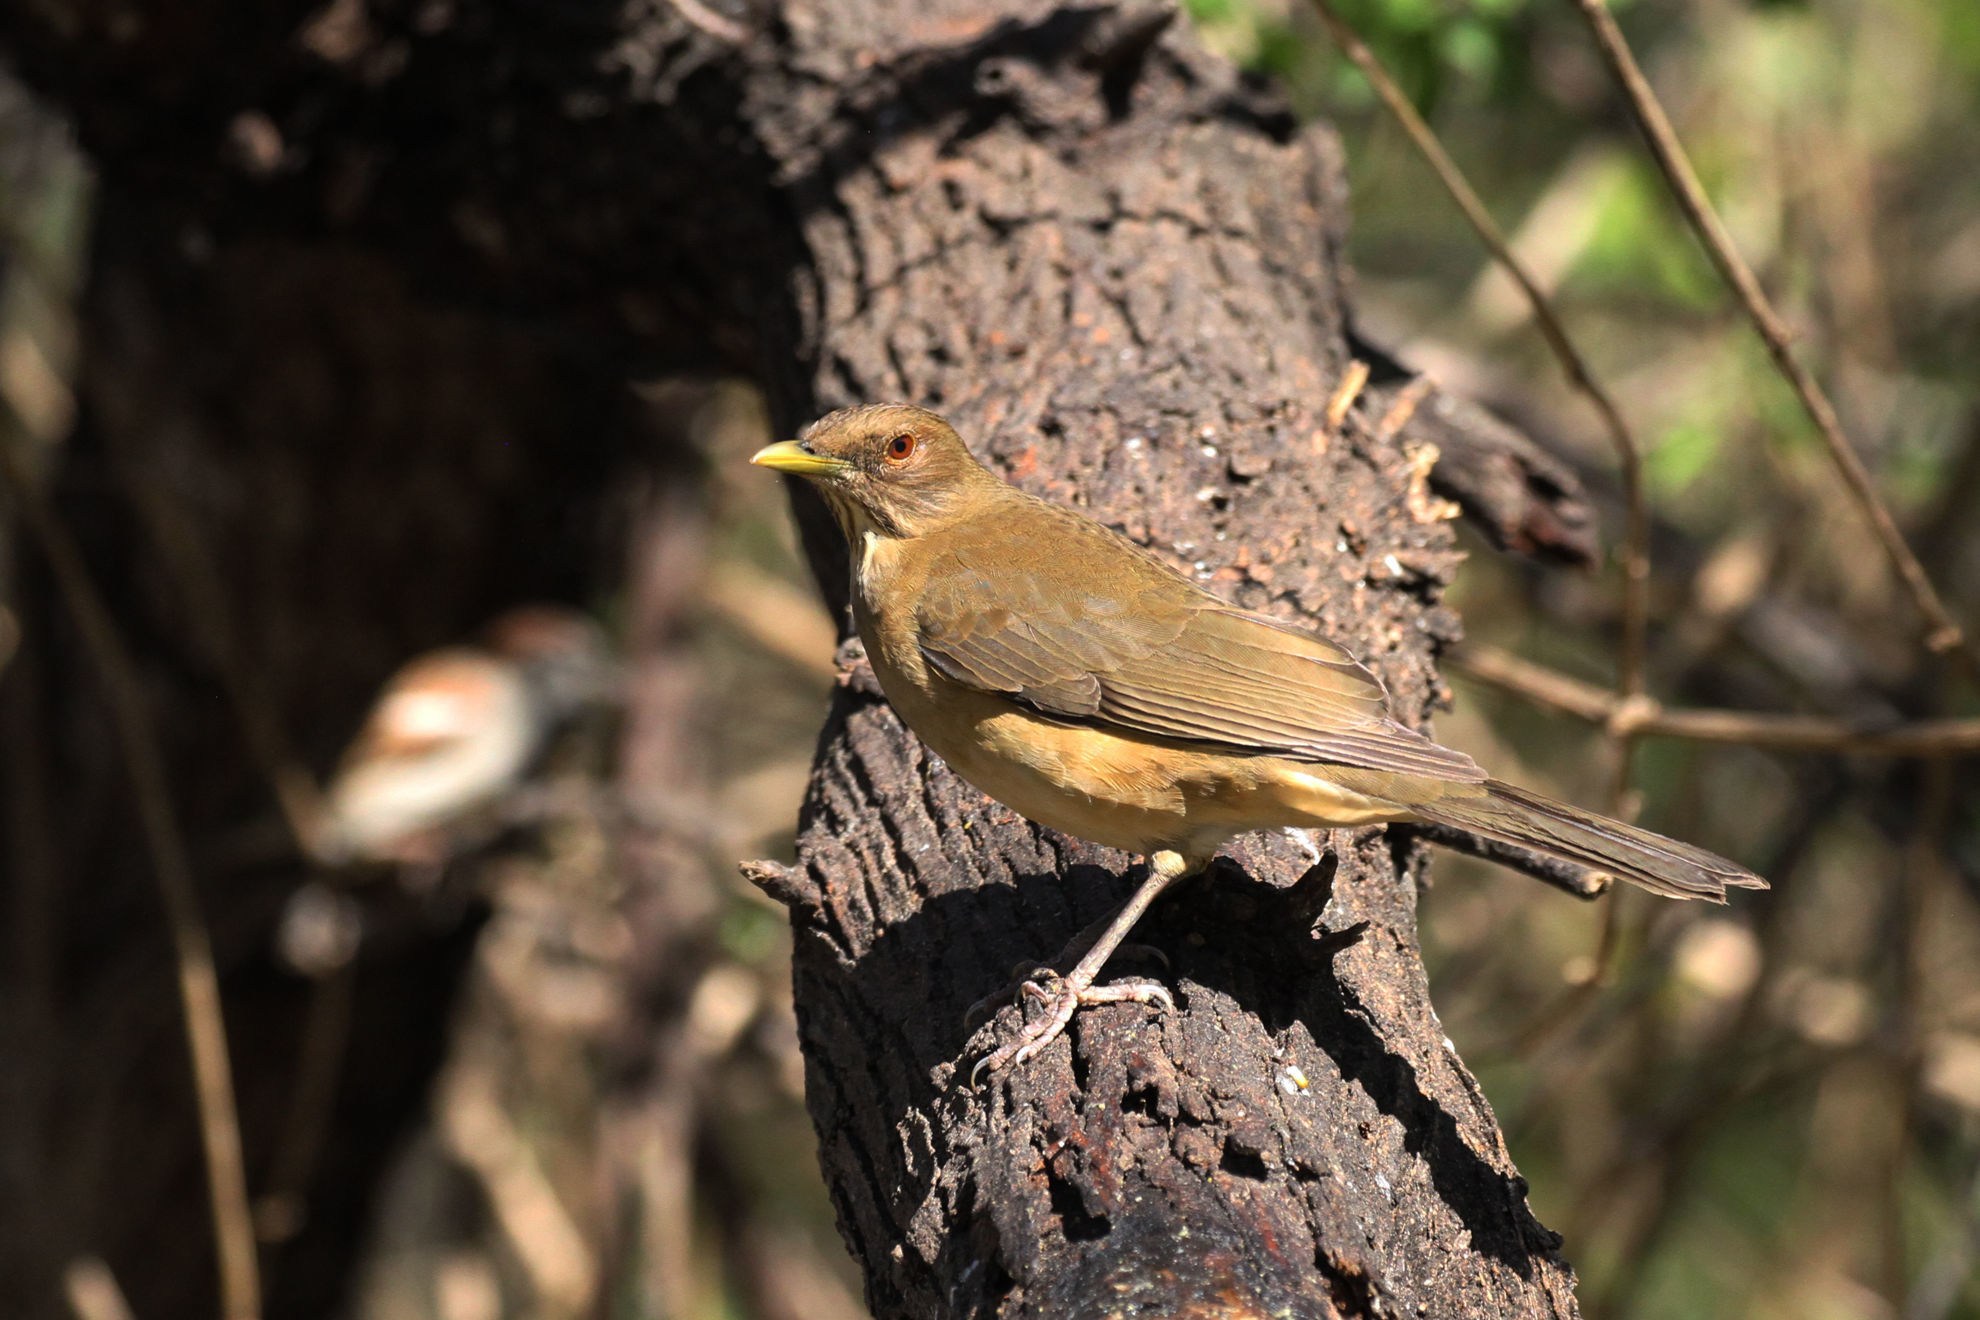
<point>889,467</point>
<point>560,652</point>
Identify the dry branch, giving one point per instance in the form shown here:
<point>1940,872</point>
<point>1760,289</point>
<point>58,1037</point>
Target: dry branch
<point>1629,458</point>
<point>1645,716</point>
<point>198,983</point>
<point>1945,633</point>
<point>1524,499</point>
<point>1115,268</point>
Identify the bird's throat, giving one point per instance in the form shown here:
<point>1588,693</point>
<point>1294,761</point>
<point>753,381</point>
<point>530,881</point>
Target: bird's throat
<point>876,561</point>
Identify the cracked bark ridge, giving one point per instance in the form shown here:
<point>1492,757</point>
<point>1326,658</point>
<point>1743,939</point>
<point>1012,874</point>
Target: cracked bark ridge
<point>1118,269</point>
<point>1525,499</point>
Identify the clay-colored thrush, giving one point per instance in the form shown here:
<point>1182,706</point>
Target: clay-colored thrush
<point>1073,676</point>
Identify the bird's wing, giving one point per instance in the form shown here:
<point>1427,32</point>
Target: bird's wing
<point>1101,633</point>
<point>432,703</point>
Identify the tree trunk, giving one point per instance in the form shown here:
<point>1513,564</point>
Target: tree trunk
<point>351,260</point>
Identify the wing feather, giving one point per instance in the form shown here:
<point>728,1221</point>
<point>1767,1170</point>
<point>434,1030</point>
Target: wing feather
<point>1101,632</point>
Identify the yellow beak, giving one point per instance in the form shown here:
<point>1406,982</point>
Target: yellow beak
<point>790,456</point>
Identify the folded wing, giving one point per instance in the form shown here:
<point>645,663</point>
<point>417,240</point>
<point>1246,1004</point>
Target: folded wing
<point>1104,634</point>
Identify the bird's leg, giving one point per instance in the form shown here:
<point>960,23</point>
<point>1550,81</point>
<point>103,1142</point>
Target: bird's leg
<point>1075,990</point>
<point>1023,974</point>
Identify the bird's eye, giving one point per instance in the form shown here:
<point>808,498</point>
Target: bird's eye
<point>901,448</point>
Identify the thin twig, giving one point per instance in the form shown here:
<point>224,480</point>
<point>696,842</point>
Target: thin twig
<point>775,615</point>
<point>1550,1023</point>
<point>719,26</point>
<point>547,1241</point>
<point>1645,717</point>
<point>10,637</point>
<point>1568,877</point>
<point>1945,635</point>
<point>1629,459</point>
<point>199,984</point>
<point>173,530</point>
<point>281,1211</point>
<point>93,1291</point>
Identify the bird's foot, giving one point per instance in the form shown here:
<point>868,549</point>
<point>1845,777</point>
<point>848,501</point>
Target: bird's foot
<point>983,1009</point>
<point>1099,942</point>
<point>1026,976</point>
<point>1061,1002</point>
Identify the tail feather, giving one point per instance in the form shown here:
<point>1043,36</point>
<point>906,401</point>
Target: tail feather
<point>1513,815</point>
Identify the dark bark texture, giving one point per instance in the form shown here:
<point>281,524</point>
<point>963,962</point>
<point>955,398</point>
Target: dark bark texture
<point>352,263</point>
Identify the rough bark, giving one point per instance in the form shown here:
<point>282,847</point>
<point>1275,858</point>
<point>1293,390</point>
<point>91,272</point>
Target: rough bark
<point>1119,270</point>
<point>1115,264</point>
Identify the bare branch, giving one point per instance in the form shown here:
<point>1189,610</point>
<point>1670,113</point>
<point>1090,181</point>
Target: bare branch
<point>1945,636</point>
<point>192,950</point>
<point>1629,459</point>
<point>93,1291</point>
<point>1643,716</point>
<point>1581,881</point>
<point>719,26</point>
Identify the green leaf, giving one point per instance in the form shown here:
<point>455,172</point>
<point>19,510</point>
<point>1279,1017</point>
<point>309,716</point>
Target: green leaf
<point>1681,456</point>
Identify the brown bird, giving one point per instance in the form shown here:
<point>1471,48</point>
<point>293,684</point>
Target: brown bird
<point>1078,679</point>
<point>454,731</point>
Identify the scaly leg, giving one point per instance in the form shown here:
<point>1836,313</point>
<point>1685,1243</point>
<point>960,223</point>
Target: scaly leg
<point>1075,990</point>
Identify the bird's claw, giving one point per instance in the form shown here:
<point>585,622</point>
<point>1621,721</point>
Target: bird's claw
<point>1026,975</point>
<point>1021,976</point>
<point>1061,1003</point>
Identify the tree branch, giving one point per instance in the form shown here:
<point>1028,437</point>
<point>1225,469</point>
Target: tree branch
<point>1646,717</point>
<point>199,984</point>
<point>1629,459</point>
<point>1945,634</point>
<point>1116,269</point>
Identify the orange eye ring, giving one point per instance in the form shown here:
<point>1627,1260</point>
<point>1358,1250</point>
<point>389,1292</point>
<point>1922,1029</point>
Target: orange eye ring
<point>901,448</point>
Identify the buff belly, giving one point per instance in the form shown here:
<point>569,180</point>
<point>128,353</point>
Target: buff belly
<point>1138,794</point>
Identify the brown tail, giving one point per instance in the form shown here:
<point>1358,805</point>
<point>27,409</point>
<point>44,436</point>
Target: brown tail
<point>1664,866</point>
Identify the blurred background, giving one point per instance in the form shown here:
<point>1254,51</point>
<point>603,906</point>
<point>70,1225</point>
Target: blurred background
<point>1769,1110</point>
